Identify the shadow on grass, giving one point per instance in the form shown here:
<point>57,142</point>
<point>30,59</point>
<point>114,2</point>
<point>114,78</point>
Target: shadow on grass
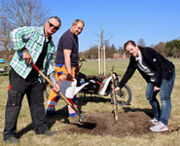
<point>81,101</point>
<point>24,130</point>
<point>4,74</point>
<point>147,111</point>
<point>62,114</point>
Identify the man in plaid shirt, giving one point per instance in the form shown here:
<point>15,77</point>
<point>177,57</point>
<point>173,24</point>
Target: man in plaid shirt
<point>32,44</point>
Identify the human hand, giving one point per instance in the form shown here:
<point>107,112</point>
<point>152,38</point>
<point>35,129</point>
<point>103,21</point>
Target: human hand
<point>156,89</point>
<point>56,88</point>
<point>116,89</point>
<point>27,56</point>
<point>69,76</point>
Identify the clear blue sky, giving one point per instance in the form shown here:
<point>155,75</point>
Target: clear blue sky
<point>152,20</point>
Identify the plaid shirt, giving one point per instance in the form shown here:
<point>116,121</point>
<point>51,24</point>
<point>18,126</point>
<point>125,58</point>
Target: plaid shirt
<point>31,38</point>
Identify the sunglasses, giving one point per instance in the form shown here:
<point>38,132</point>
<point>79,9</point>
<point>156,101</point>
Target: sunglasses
<point>52,25</point>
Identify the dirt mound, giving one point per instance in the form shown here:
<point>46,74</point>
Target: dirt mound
<point>131,123</point>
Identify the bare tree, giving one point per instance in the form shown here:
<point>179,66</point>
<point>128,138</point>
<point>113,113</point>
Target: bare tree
<point>4,36</point>
<point>141,42</point>
<point>18,13</point>
<point>102,38</point>
<point>24,12</point>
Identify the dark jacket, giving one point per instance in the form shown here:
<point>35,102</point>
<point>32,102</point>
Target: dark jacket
<point>162,67</point>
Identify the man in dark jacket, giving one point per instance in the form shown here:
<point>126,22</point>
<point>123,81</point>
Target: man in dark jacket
<point>159,74</point>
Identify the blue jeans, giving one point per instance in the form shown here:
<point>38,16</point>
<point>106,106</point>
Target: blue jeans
<point>166,87</point>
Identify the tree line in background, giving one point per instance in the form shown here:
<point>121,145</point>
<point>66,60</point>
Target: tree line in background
<point>19,13</point>
<point>168,49</point>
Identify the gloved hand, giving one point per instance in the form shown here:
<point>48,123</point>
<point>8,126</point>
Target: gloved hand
<point>77,69</point>
<point>69,76</point>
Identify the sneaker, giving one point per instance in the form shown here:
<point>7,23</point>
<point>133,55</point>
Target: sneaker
<point>154,121</point>
<point>12,139</point>
<point>49,133</point>
<point>159,127</point>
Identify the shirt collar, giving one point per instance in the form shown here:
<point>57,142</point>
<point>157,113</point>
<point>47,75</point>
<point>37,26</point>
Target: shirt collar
<point>139,57</point>
<point>42,33</point>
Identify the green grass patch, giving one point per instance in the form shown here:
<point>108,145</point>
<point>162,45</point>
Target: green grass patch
<point>137,85</point>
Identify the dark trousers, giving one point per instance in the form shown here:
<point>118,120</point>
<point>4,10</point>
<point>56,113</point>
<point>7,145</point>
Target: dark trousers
<point>34,91</point>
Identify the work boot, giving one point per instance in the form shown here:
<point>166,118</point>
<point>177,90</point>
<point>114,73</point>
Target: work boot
<point>12,139</point>
<point>50,113</point>
<point>73,119</point>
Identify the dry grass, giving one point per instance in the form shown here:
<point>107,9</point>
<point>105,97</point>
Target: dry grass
<point>137,84</point>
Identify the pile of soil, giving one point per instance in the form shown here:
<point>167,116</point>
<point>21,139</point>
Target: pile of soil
<point>131,123</point>
<point>128,124</point>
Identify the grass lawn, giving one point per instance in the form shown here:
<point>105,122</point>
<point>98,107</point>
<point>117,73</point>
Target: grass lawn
<point>139,102</point>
